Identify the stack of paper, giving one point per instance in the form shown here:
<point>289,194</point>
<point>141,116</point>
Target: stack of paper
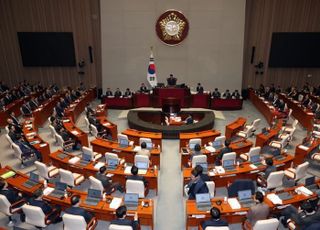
<point>303,147</point>
<point>115,203</point>
<point>98,165</point>
<point>74,160</point>
<point>303,190</point>
<point>128,170</point>
<point>234,203</point>
<point>274,198</point>
<point>74,132</point>
<point>210,149</point>
<point>220,169</point>
<point>47,190</point>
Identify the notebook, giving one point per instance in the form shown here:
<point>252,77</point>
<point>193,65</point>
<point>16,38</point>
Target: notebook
<point>94,197</point>
<point>131,201</point>
<point>203,201</point>
<point>32,181</point>
<point>142,167</point>
<point>245,198</point>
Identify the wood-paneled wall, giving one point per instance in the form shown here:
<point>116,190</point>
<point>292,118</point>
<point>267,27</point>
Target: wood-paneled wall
<point>82,17</point>
<point>266,16</point>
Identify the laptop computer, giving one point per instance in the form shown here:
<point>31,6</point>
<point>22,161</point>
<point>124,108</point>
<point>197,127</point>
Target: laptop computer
<point>310,183</point>
<point>284,196</point>
<point>123,143</point>
<point>94,197</point>
<point>59,190</point>
<point>142,167</point>
<point>32,181</point>
<point>228,165</point>
<point>131,201</point>
<point>204,167</point>
<point>245,198</point>
<point>217,144</point>
<point>62,156</point>
<point>86,158</point>
<point>256,160</point>
<point>149,145</point>
<point>112,163</point>
<point>191,146</point>
<point>203,201</point>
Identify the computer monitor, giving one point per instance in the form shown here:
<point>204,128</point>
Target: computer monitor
<point>204,166</point>
<point>86,157</point>
<point>244,194</point>
<point>310,181</point>
<point>149,145</point>
<point>112,161</point>
<point>131,198</point>
<point>94,193</point>
<point>141,165</point>
<point>34,177</point>
<point>192,145</point>
<point>227,163</point>
<point>202,198</point>
<point>216,144</point>
<point>123,142</point>
<point>255,158</point>
<point>60,186</point>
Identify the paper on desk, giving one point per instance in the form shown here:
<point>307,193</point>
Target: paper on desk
<point>274,198</point>
<point>234,203</point>
<point>115,203</point>
<point>28,126</point>
<point>107,124</point>
<point>211,173</point>
<point>30,134</point>
<point>303,190</point>
<point>128,170</point>
<point>44,144</point>
<point>303,147</point>
<point>253,166</point>
<point>310,113</point>
<point>98,165</point>
<point>66,120</point>
<point>198,216</point>
<point>220,169</point>
<point>210,149</point>
<point>137,148</point>
<point>47,190</point>
<point>74,132</point>
<point>74,160</point>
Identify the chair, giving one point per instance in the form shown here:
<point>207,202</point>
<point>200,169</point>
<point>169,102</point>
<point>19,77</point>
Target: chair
<point>96,184</point>
<point>229,156</point>
<point>214,228</point>
<point>136,186</point>
<point>7,129</point>
<point>94,131</point>
<point>252,152</point>
<point>94,156</point>
<point>71,179</point>
<point>273,181</point>
<point>119,227</point>
<point>246,133</point>
<point>53,132</point>
<point>64,144</point>
<point>299,172</point>
<point>141,158</point>
<point>254,126</point>
<point>123,136</point>
<point>45,171</point>
<point>221,139</point>
<point>285,139</point>
<point>108,155</point>
<point>270,224</point>
<point>36,217</point>
<point>195,141</point>
<point>288,129</point>
<point>87,124</point>
<point>211,186</point>
<point>145,140</point>
<point>17,151</point>
<point>71,222</point>
<point>198,159</point>
<point>9,140</point>
<point>10,209</point>
<point>288,116</point>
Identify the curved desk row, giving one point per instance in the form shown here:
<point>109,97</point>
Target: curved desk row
<point>205,136</point>
<point>135,135</point>
<point>234,127</point>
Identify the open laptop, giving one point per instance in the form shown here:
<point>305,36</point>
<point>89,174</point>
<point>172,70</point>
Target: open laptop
<point>256,160</point>
<point>245,198</point>
<point>142,167</point>
<point>204,167</point>
<point>32,181</point>
<point>310,183</point>
<point>86,158</point>
<point>59,190</point>
<point>149,145</point>
<point>112,163</point>
<point>94,197</point>
<point>131,201</point>
<point>123,143</point>
<point>284,196</point>
<point>203,201</point>
<point>217,144</point>
<point>191,146</point>
<point>228,165</point>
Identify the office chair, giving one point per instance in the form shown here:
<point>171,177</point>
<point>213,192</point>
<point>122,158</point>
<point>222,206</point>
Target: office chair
<point>136,186</point>
<point>36,217</point>
<point>96,184</point>
<point>252,152</point>
<point>94,155</point>
<point>71,222</point>
<point>45,171</point>
<point>299,172</point>
<point>119,227</point>
<point>71,179</point>
<point>10,209</point>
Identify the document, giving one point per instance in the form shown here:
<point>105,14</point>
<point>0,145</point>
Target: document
<point>99,165</point>
<point>74,160</point>
<point>303,190</point>
<point>115,203</point>
<point>274,198</point>
<point>234,203</point>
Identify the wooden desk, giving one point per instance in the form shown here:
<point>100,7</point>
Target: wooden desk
<point>134,135</point>
<point>103,146</point>
<point>205,136</point>
<point>118,102</point>
<point>234,127</point>
<point>75,132</point>
<point>243,171</point>
<point>262,106</point>
<point>31,135</point>
<point>111,127</point>
<point>262,139</point>
<point>101,110</point>
<point>141,100</point>
<point>119,174</point>
<point>200,100</point>
<point>301,153</point>
<point>226,104</point>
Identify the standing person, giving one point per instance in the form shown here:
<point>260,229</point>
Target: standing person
<point>172,81</point>
<point>199,88</point>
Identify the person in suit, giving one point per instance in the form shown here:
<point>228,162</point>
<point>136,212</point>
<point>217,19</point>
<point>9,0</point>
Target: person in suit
<point>135,176</point>
<point>27,149</point>
<point>11,195</point>
<point>7,98</point>
<point>226,94</point>
<point>257,212</point>
<point>59,109</point>
<point>204,177</point>
<point>189,120</point>
<point>270,168</point>
<point>127,93</point>
<point>63,103</point>
<point>196,185</point>
<point>196,151</point>
<point>144,151</point>
<point>171,81</point>
<point>26,109</point>
<point>121,213</point>
<point>33,104</point>
<point>18,127</point>
<point>226,149</point>
<point>117,93</point>
<point>215,220</point>
<point>304,219</point>
<point>3,87</point>
<point>76,210</point>
<point>199,88</point>
<point>109,92</point>
<point>82,87</point>
<point>216,94</point>
<point>143,88</point>
<point>276,101</point>
<point>13,134</point>
<point>236,95</point>
<point>306,101</point>
<point>108,185</point>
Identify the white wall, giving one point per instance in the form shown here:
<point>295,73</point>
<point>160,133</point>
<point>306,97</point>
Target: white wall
<point>211,54</point>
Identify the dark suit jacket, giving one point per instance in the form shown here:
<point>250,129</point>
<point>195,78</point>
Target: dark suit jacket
<point>117,94</point>
<point>104,179</point>
<point>46,208</point>
<point>80,212</point>
<point>216,94</point>
<point>172,81</point>
<point>143,89</point>
<point>199,89</point>
<point>305,221</point>
<point>25,109</point>
<point>137,177</point>
<point>198,187</point>
<point>11,195</point>
<point>132,223</point>
<point>109,93</point>
<point>212,222</point>
<point>33,105</point>
<point>127,94</point>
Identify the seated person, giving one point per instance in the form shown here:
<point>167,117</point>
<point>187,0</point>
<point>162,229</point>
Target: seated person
<point>69,140</point>
<point>127,93</point>
<point>270,168</point>
<point>143,88</point>
<point>135,176</point>
<point>196,185</point>
<point>82,87</point>
<point>107,183</point>
<point>258,212</point>
<point>204,177</point>
<point>189,120</point>
<point>121,213</point>
<point>226,94</point>
<point>109,92</point>
<point>89,110</point>
<point>216,94</point>
<point>18,127</point>
<point>144,151</point>
<point>276,101</point>
<point>215,220</point>
<point>75,210</point>
<point>11,195</point>
<point>36,200</point>
<point>236,95</point>
<point>226,149</point>
<point>196,151</point>
<point>278,89</point>
<point>306,101</point>
<point>59,110</point>
<point>13,134</point>
<point>303,219</point>
<point>26,109</point>
<point>117,93</point>
<point>27,149</point>
<point>199,88</point>
<point>171,80</point>
<point>14,118</point>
